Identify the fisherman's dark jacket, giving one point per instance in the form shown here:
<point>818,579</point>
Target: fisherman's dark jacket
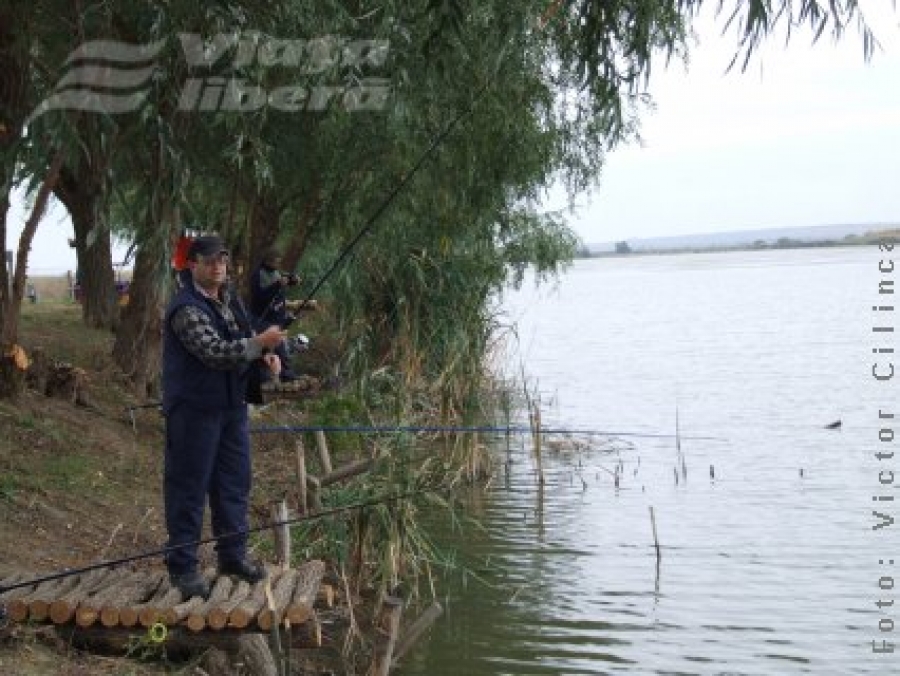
<point>219,332</point>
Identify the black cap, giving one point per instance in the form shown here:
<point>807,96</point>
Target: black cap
<point>206,245</point>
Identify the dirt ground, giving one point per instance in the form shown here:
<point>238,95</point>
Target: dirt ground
<point>82,484</point>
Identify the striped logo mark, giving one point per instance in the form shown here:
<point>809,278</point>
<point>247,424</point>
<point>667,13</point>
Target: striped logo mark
<point>103,76</point>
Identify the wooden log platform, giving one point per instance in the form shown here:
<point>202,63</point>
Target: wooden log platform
<point>121,601</point>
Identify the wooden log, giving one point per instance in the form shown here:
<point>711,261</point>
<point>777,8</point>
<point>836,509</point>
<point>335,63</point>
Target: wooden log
<point>63,608</point>
<point>19,608</point>
<point>158,608</point>
<point>280,597</point>
<point>386,635</point>
<point>217,617</point>
<point>39,605</point>
<point>182,610</point>
<point>306,586</point>
<point>255,656</point>
<point>242,614</point>
<point>88,611</point>
<point>117,610</point>
<point>221,591</point>
<point>416,629</point>
<point>325,596</point>
<point>347,471</point>
<point>324,456</point>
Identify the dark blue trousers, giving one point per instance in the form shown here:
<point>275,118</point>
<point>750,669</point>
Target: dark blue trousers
<point>207,455</point>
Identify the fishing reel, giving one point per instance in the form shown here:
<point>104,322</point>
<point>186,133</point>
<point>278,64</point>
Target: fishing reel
<point>298,343</point>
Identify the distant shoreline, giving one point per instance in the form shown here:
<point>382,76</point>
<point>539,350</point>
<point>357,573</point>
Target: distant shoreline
<point>623,249</point>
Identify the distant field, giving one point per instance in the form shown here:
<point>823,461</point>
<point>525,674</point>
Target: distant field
<point>51,288</point>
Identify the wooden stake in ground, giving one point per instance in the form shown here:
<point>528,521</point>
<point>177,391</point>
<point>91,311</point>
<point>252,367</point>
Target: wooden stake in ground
<point>301,477</point>
<point>537,442</point>
<point>386,635</point>
<point>324,456</point>
<point>655,538</point>
<point>282,532</point>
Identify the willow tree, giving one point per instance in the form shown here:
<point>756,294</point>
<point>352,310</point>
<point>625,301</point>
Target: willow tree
<point>552,87</point>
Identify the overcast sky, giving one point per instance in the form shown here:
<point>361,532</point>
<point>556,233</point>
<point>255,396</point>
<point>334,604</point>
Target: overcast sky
<point>808,135</point>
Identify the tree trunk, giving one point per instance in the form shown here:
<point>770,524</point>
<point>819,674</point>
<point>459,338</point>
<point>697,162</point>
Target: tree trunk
<point>265,215</point>
<point>13,361</point>
<point>137,347</point>
<point>81,194</point>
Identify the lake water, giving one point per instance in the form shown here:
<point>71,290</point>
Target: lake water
<point>769,560</point>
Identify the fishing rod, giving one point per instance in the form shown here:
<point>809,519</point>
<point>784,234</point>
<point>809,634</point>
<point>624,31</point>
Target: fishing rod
<point>503,429</point>
<point>407,177</point>
<point>321,514</point>
<point>548,15</point>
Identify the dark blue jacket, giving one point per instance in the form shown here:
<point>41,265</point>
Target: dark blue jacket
<point>185,377</point>
<point>267,303</point>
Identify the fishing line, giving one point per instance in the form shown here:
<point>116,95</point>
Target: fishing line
<point>509,429</point>
<point>487,429</point>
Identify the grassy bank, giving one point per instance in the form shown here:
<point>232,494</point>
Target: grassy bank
<point>82,483</point>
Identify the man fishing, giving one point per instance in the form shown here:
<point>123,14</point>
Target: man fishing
<point>209,349</point>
